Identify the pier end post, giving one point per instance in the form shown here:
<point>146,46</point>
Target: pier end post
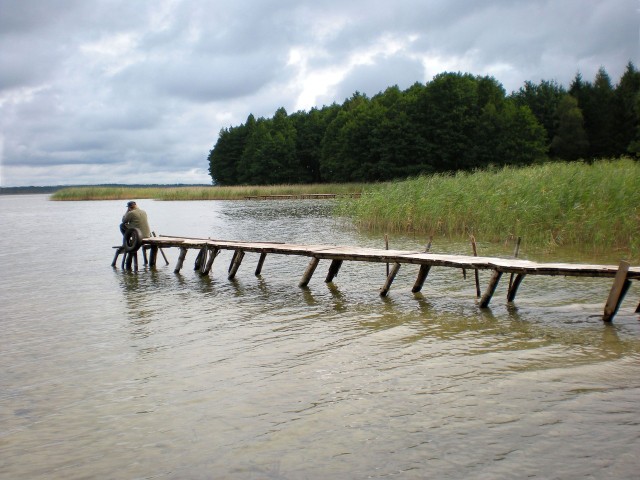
<point>618,290</point>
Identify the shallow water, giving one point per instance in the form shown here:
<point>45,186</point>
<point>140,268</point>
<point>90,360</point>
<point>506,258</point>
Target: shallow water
<point>112,374</point>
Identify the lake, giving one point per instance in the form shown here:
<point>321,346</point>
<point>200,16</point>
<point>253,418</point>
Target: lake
<point>113,374</point>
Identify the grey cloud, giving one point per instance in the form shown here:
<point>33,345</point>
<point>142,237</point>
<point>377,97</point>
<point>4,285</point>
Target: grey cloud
<point>155,108</point>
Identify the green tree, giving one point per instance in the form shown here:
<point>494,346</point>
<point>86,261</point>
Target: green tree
<point>570,141</point>
<point>626,118</point>
<point>543,100</point>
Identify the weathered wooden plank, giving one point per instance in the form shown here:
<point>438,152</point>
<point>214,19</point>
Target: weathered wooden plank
<point>513,287</point>
<point>511,266</point>
<point>308,273</point>
<point>261,260</point>
<point>491,288</point>
<point>334,268</point>
<point>392,275</point>
<point>617,293</point>
<point>422,276</point>
<point>181,257</point>
<point>237,260</point>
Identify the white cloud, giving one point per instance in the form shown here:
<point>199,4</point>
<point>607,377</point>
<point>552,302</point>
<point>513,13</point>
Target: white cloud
<point>110,91</point>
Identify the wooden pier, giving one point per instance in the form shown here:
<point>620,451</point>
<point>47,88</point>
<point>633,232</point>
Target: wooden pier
<point>208,249</point>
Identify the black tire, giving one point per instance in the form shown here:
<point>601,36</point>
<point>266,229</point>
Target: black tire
<point>132,240</point>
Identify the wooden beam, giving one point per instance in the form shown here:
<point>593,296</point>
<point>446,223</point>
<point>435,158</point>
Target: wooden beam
<point>334,268</point>
<point>183,254</point>
<point>617,293</point>
<point>308,273</point>
<point>212,256</point>
<point>263,255</point>
<point>513,286</point>
<point>392,275</point>
<point>422,276</point>
<point>491,288</point>
<point>238,256</point>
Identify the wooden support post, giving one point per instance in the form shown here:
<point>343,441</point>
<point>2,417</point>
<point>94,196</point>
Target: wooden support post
<point>515,255</point>
<point>308,273</point>
<point>263,255</point>
<point>233,259</point>
<point>239,255</point>
<point>513,287</point>
<point>135,261</point>
<point>119,250</point>
<point>618,291</point>
<point>144,254</point>
<point>477,274</point>
<point>422,276</point>
<point>386,247</point>
<point>183,254</point>
<point>212,256</point>
<point>491,288</point>
<point>153,256</point>
<point>129,260</point>
<point>334,268</point>
<point>201,259</point>
<point>392,275</point>
<point>161,251</point>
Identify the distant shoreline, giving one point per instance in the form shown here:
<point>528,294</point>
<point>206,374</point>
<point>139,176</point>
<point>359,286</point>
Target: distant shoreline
<point>30,190</point>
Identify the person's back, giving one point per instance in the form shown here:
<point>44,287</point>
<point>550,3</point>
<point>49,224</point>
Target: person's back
<point>136,218</point>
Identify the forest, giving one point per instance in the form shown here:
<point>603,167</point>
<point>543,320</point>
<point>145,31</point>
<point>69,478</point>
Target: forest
<point>455,122</point>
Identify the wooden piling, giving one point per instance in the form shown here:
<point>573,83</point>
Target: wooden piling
<point>422,276</point>
<point>386,247</point>
<point>334,268</point>
<point>513,287</point>
<point>617,293</point>
<point>491,288</point>
<point>212,256</point>
<point>263,256</point>
<point>235,264</point>
<point>477,274</point>
<point>119,250</point>
<point>392,275</point>
<point>183,254</point>
<point>515,255</point>
<point>200,260</point>
<point>308,273</point>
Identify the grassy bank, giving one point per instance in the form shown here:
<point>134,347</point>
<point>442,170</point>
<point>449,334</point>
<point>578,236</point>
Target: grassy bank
<point>200,193</point>
<point>590,205</point>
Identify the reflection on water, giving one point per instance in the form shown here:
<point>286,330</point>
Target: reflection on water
<point>115,374</point>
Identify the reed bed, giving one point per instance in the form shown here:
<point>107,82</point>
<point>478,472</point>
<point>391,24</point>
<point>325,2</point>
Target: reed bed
<point>593,205</point>
<point>201,192</point>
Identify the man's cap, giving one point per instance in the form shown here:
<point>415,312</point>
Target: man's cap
<point>131,203</point>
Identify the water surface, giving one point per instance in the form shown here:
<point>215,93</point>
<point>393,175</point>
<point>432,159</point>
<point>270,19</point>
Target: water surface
<point>112,374</point>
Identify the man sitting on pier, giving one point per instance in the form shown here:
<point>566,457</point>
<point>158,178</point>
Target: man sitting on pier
<point>135,218</point>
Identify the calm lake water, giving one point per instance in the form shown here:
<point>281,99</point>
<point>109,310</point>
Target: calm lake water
<point>112,374</point>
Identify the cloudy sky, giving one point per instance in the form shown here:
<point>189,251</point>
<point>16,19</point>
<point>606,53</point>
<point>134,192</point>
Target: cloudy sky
<point>136,91</point>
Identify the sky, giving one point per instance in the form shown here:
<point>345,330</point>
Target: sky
<point>136,91</point>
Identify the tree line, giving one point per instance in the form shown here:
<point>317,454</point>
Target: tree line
<point>457,121</point>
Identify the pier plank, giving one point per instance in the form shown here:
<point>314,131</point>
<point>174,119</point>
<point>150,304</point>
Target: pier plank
<point>517,268</point>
